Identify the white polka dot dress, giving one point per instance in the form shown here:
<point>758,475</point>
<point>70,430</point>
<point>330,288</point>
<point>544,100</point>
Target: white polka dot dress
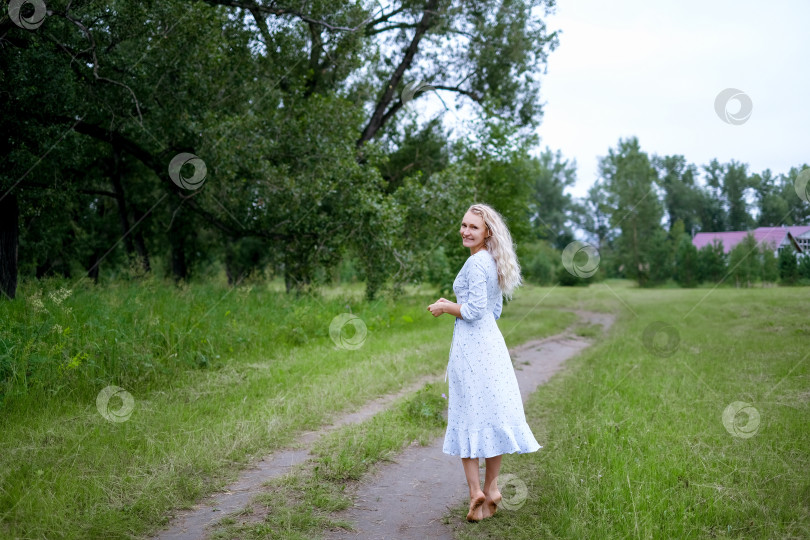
<point>485,415</point>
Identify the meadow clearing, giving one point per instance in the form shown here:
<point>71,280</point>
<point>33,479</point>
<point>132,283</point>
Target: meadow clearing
<point>689,419</point>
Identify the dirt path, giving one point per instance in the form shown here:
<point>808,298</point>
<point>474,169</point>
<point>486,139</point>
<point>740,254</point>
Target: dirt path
<point>408,499</point>
<point>418,470</point>
<point>192,524</point>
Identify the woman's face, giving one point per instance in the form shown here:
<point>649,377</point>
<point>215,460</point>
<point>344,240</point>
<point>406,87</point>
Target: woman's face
<point>473,231</point>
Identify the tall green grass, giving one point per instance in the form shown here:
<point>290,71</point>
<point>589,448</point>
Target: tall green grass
<point>62,338</point>
<point>635,445</point>
<point>218,377</point>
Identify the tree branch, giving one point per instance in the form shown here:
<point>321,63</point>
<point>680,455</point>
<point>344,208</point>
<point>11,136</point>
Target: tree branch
<point>385,18</point>
<point>262,24</point>
<point>314,56</point>
<point>40,185</point>
<point>379,116</point>
<point>376,31</point>
<point>122,142</point>
<point>92,50</point>
<point>279,11</point>
<point>472,95</point>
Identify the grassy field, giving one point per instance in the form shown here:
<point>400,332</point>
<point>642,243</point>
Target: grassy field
<point>215,378</point>
<point>636,442</point>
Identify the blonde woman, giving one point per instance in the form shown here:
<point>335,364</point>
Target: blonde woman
<point>485,417</point>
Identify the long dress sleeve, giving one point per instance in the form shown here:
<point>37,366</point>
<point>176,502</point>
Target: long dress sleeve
<point>476,304</point>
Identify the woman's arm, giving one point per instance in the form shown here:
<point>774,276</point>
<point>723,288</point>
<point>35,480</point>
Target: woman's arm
<point>476,304</point>
<point>442,305</point>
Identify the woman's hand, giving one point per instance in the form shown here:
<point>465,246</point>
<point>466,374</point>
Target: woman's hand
<point>436,308</point>
<point>443,305</point>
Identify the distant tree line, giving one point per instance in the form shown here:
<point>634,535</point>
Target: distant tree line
<point>643,212</point>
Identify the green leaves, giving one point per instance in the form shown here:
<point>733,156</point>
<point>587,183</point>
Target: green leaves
<point>274,103</point>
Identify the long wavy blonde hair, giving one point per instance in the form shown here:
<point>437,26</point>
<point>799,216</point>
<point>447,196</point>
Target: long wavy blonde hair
<point>500,246</point>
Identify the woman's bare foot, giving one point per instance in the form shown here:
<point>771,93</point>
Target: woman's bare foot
<point>491,504</point>
<point>476,506</point>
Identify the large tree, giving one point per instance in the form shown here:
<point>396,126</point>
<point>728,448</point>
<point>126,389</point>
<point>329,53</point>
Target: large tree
<point>678,179</point>
<point>552,209</point>
<point>772,208</point>
<point>630,184</point>
<point>279,102</point>
<point>731,182</point>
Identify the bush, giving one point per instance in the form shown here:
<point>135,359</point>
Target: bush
<point>686,262</point>
<point>567,279</point>
<point>439,272</point>
<point>788,267</point>
<point>804,267</point>
<point>712,263</point>
<point>539,262</point>
<point>744,263</point>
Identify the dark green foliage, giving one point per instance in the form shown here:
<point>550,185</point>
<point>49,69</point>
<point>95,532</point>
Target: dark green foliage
<point>314,155</point>
<point>276,104</point>
<point>540,263</point>
<point>415,150</point>
<point>661,256</point>
<point>634,209</point>
<point>681,192</point>
<point>712,263</point>
<point>552,208</point>
<point>686,262</point>
<point>804,268</point>
<point>567,279</point>
<point>744,265</point>
<point>773,205</point>
<point>788,267</point>
<point>735,184</point>
<point>438,270</point>
<point>770,264</point>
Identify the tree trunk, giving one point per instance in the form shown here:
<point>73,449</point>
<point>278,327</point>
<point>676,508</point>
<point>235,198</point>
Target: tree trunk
<point>636,260</point>
<point>98,255</point>
<point>179,232</point>
<point>123,215</point>
<point>120,198</point>
<point>179,267</point>
<point>140,245</point>
<point>288,282</point>
<point>95,262</point>
<point>9,242</point>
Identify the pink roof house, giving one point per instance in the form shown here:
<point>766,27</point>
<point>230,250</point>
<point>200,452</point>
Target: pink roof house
<point>777,237</point>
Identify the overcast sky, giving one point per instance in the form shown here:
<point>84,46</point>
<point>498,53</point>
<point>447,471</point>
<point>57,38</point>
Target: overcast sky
<point>653,68</point>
